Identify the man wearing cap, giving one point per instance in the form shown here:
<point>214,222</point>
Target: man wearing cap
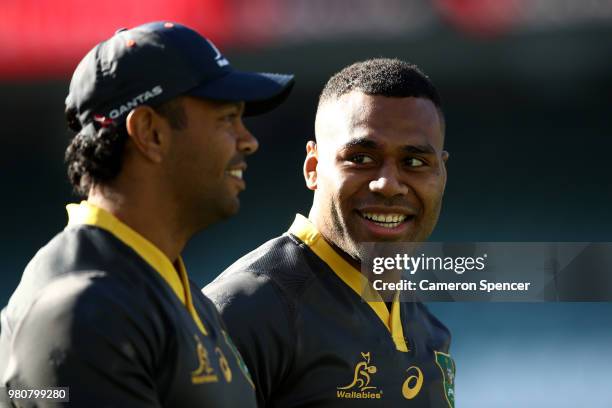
<point>106,309</point>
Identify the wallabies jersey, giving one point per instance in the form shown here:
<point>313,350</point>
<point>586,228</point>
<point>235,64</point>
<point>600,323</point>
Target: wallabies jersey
<point>105,314</point>
<point>294,310</point>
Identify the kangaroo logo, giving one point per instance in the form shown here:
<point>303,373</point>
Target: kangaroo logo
<point>362,375</point>
<point>205,373</point>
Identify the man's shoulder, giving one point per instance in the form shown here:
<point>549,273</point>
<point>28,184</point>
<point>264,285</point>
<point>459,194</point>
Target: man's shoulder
<point>78,247</point>
<point>279,265</point>
<point>72,307</point>
<point>80,263</point>
<point>277,254</point>
<point>78,327</point>
<point>87,297</point>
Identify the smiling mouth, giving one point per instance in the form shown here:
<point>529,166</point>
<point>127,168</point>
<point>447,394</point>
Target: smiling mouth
<point>392,220</point>
<point>237,173</point>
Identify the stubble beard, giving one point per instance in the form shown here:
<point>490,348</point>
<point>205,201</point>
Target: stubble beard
<point>341,237</point>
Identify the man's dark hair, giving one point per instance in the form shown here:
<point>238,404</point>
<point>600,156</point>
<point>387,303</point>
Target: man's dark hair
<point>384,77</point>
<point>98,157</point>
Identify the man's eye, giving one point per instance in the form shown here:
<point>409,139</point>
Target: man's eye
<point>414,162</point>
<point>361,159</point>
<point>230,117</point>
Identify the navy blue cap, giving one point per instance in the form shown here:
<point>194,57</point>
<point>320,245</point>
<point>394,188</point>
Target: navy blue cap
<point>155,62</point>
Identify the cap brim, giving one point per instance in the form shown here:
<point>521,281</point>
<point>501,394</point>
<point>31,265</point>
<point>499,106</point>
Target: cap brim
<point>261,92</point>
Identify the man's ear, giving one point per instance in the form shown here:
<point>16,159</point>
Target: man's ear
<point>310,165</point>
<point>149,133</point>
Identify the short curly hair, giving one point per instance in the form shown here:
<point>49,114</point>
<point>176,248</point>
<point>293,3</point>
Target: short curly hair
<point>95,153</point>
<point>381,76</point>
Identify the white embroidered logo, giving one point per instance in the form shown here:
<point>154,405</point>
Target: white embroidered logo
<point>137,100</point>
<point>219,59</point>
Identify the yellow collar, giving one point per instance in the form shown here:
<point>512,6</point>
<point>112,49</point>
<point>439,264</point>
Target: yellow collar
<point>308,234</point>
<point>88,214</point>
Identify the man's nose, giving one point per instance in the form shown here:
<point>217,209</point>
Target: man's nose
<point>388,182</point>
<point>247,143</point>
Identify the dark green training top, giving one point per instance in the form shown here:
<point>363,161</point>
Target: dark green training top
<point>294,310</point>
<point>104,312</point>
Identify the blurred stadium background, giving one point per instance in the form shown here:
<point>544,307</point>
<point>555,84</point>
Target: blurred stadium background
<point>526,86</point>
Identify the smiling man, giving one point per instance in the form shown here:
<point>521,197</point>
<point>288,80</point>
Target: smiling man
<point>293,306</point>
<point>105,314</point>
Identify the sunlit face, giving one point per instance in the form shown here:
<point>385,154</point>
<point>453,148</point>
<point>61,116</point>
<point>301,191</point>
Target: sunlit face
<point>378,170</point>
<point>208,159</point>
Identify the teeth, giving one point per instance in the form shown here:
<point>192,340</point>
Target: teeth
<point>235,173</point>
<point>388,225</point>
<point>385,220</point>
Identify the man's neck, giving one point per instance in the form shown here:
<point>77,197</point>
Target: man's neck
<point>355,263</point>
<point>149,217</point>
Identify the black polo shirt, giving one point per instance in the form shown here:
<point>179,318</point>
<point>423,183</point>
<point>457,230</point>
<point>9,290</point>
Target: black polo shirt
<point>293,308</point>
<point>103,311</point>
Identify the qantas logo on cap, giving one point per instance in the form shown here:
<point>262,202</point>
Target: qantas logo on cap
<point>134,102</point>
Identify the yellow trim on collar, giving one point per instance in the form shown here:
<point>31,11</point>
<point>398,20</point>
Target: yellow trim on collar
<point>308,234</point>
<point>88,214</point>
